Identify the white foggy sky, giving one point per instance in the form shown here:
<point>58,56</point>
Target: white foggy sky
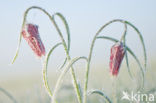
<point>85,17</point>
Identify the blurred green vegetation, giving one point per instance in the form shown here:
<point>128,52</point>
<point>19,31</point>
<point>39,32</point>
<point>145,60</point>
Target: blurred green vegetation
<point>29,88</point>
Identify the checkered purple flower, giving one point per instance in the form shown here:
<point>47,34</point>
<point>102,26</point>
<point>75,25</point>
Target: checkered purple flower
<point>117,54</point>
<point>31,35</point>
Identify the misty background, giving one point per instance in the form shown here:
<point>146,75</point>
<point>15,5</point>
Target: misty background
<point>84,19</point>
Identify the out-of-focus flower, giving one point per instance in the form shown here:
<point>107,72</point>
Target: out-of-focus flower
<point>116,57</point>
<point>31,35</point>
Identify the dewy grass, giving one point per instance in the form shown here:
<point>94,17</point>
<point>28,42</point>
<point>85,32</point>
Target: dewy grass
<point>99,92</point>
<point>123,37</point>
<point>71,62</point>
<point>62,39</point>
<point>116,57</point>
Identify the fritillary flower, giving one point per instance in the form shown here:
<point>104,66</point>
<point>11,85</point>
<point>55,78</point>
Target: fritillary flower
<point>31,35</point>
<point>116,57</point>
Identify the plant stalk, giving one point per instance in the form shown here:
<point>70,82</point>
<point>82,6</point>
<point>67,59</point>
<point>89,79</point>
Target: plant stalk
<point>64,44</point>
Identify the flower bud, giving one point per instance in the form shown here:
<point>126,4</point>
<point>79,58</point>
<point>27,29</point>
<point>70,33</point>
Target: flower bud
<point>116,57</point>
<point>31,35</point>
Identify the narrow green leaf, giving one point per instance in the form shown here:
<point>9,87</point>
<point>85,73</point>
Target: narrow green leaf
<point>20,36</point>
<point>107,38</point>
<point>65,61</point>
<point>68,34</point>
<point>67,67</point>
<point>138,62</point>
<point>72,61</point>
<point>101,94</point>
<point>66,26</point>
<point>45,66</point>
<point>126,55</point>
<point>80,88</point>
<point>18,47</point>
<point>8,94</point>
<point>142,41</point>
<point>127,63</point>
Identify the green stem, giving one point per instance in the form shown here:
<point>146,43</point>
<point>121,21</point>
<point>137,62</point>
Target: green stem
<point>114,89</point>
<point>108,100</point>
<point>90,56</point>
<point>63,42</point>
<point>123,38</point>
<point>66,26</point>
<point>125,32</point>
<point>9,95</point>
<point>142,42</point>
<point>45,78</point>
<point>72,69</point>
<point>60,79</point>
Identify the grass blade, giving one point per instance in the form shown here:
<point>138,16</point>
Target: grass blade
<point>8,94</point>
<point>65,61</point>
<point>68,34</point>
<point>81,90</point>
<point>126,55</point>
<point>60,79</point>
<point>127,63</point>
<point>18,47</point>
<point>66,26</point>
<point>138,62</point>
<point>45,66</point>
<point>101,94</point>
<point>142,42</point>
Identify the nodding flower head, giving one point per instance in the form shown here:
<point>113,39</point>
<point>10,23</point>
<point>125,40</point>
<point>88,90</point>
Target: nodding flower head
<point>116,57</point>
<point>31,35</point>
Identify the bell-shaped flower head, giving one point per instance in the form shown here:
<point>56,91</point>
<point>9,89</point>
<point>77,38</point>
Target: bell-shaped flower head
<point>31,35</point>
<point>116,57</point>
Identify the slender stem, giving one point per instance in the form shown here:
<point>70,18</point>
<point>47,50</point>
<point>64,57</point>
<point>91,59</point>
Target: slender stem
<point>125,33</point>
<point>123,38</point>
<point>90,56</point>
<point>142,42</point>
<point>9,95</point>
<point>64,44</point>
<point>99,92</point>
<point>60,79</point>
<point>45,78</point>
<point>114,79</point>
<point>72,69</point>
<point>66,26</point>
